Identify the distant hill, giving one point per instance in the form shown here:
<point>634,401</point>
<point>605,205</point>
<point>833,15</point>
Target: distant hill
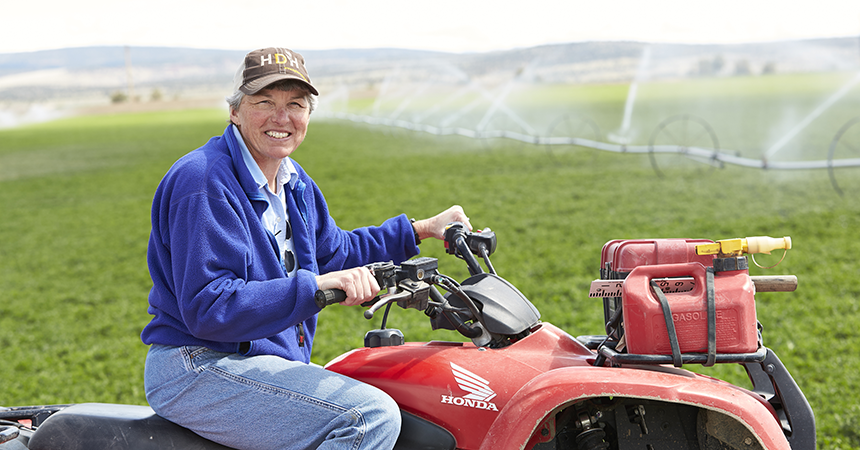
<point>94,73</point>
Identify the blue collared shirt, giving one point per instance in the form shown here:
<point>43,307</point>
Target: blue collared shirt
<point>275,218</point>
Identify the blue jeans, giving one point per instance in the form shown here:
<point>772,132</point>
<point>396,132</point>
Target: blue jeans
<point>267,402</point>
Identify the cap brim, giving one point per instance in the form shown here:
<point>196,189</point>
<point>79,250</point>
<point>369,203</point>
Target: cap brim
<point>259,84</point>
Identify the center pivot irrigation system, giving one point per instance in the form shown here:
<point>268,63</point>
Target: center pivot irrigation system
<point>686,135</point>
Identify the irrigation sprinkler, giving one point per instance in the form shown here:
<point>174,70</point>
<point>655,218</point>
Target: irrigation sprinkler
<point>709,154</point>
<point>483,107</point>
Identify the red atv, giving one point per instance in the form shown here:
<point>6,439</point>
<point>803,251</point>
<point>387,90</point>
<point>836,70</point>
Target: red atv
<point>525,384</point>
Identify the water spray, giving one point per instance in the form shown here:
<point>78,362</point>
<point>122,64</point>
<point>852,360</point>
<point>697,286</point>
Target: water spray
<point>623,134</point>
<point>812,116</point>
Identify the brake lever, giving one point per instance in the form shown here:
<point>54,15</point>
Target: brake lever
<point>383,300</point>
<point>410,294</point>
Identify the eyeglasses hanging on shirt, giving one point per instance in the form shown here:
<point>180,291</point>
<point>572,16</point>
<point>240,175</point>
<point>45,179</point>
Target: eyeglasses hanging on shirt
<point>289,261</point>
<point>289,258</point>
<point>288,231</point>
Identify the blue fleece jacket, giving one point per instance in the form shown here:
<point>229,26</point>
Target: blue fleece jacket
<point>217,278</point>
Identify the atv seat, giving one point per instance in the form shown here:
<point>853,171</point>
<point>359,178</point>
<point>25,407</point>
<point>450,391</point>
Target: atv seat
<point>97,426</point>
<point>100,426</point>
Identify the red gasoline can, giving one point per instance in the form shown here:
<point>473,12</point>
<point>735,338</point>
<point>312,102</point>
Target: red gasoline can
<point>645,327</point>
<point>622,255</point>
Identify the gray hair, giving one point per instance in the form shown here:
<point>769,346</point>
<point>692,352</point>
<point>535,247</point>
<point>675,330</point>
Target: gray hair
<point>235,99</point>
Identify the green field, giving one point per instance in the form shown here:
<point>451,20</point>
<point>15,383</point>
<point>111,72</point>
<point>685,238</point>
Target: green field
<point>74,221</point>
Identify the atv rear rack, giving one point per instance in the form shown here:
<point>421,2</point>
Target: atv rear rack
<point>616,359</point>
<point>606,353</point>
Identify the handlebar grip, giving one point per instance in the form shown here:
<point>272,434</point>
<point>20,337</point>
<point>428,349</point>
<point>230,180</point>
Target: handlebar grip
<point>325,297</point>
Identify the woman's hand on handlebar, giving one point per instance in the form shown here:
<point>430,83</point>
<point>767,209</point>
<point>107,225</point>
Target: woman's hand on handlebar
<point>435,226</point>
<point>358,283</point>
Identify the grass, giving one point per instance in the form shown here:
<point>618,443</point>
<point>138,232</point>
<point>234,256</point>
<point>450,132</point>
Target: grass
<point>75,200</point>
<point>74,222</point>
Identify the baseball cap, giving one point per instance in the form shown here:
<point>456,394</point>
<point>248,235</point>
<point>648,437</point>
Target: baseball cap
<point>267,65</point>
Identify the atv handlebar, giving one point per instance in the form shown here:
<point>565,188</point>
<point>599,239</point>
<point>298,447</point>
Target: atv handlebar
<point>466,245</point>
<point>404,284</point>
<point>412,284</point>
<point>458,241</point>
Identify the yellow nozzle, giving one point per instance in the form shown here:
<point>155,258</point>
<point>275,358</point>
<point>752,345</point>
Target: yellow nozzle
<point>750,245</point>
<point>764,244</point>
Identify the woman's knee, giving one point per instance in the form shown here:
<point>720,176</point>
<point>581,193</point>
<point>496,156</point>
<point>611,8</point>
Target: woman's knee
<point>382,416</point>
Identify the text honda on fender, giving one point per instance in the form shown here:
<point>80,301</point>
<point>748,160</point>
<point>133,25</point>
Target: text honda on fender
<point>479,392</point>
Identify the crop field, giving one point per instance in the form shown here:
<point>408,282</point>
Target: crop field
<point>74,223</point>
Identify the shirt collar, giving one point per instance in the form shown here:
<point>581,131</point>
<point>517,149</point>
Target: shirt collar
<point>287,172</point>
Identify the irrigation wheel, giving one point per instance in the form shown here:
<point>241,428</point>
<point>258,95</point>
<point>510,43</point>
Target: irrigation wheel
<point>571,125</point>
<point>684,135</point>
<point>847,142</point>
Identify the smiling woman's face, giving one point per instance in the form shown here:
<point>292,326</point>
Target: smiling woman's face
<point>273,123</point>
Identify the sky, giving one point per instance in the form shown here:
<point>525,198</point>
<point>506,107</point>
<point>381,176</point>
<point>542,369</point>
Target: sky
<point>457,26</point>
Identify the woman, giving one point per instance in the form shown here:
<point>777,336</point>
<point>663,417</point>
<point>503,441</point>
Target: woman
<point>241,240</point>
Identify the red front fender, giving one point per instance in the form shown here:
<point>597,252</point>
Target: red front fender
<point>529,407</point>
